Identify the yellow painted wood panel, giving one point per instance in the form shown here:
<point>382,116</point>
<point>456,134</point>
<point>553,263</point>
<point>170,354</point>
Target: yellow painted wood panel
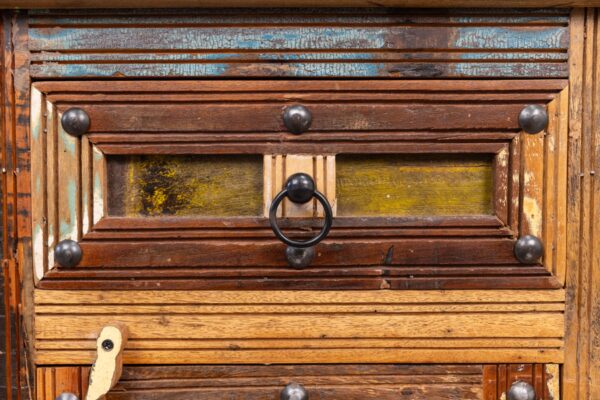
<point>200,185</point>
<point>414,185</point>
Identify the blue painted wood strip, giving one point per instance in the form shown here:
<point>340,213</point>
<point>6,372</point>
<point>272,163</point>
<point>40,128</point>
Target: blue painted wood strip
<point>413,56</point>
<point>305,70</point>
<point>300,38</point>
<point>301,43</point>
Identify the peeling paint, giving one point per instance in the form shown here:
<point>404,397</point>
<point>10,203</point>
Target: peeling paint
<point>533,214</point>
<point>68,228</point>
<point>38,251</point>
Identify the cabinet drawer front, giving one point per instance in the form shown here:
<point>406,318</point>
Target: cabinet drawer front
<point>322,382</point>
<point>430,184</point>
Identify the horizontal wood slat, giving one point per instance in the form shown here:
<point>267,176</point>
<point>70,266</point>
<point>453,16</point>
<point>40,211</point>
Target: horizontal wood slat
<point>365,43</point>
<point>303,326</point>
<point>325,382</point>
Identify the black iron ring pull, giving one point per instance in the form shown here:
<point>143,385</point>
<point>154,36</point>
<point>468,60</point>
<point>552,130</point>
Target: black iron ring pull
<point>300,188</point>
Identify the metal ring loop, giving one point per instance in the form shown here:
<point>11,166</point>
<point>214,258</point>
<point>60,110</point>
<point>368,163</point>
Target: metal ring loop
<point>295,243</point>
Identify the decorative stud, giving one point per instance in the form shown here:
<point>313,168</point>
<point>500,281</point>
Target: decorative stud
<point>299,258</point>
<point>529,249</point>
<point>300,187</point>
<point>108,345</point>
<point>66,396</point>
<point>75,121</point>
<point>533,118</point>
<point>521,391</point>
<point>297,119</point>
<point>67,253</point>
<point>294,391</point>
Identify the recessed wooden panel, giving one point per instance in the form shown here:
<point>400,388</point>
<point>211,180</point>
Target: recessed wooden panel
<point>411,185</point>
<point>201,185</point>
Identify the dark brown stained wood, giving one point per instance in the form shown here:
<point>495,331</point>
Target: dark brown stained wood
<point>228,120</point>
<point>15,203</point>
<point>95,4</point>
<point>324,382</point>
<point>185,186</point>
<point>300,43</point>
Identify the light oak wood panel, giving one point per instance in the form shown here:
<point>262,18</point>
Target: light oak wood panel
<point>303,326</point>
<point>582,364</point>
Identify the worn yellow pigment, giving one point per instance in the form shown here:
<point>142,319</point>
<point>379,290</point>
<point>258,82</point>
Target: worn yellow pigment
<point>414,185</point>
<point>200,185</point>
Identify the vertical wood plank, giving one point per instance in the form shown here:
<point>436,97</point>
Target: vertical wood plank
<point>572,367</point>
<point>38,182</point>
<point>86,186</point>
<point>561,152</point>
<point>594,206</point>
<point>51,182</point>
<point>69,164</point>
<point>98,184</point>
<point>532,184</point>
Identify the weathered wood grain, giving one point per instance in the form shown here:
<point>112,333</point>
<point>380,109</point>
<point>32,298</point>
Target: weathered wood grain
<point>304,326</point>
<point>300,43</point>
<point>414,185</point>
<point>582,365</point>
<point>192,186</point>
<point>328,382</point>
<point>241,118</point>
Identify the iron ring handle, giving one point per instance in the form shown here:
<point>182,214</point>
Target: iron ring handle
<point>313,193</point>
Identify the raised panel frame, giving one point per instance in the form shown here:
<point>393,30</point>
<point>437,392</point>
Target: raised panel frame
<point>528,199</point>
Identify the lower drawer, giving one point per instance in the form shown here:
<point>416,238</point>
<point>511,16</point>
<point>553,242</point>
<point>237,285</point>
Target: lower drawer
<point>321,382</point>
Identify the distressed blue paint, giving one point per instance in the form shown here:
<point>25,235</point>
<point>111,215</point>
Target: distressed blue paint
<point>301,38</point>
<point>308,56</point>
<point>508,70</point>
<point>68,228</point>
<point>306,69</point>
<point>68,142</point>
<point>311,43</point>
<point>505,38</point>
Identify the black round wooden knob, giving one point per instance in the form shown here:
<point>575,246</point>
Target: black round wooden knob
<point>75,121</point>
<point>299,258</point>
<point>66,396</point>
<point>294,391</point>
<point>297,119</point>
<point>529,249</point>
<point>533,118</point>
<point>67,253</point>
<point>300,187</point>
<point>521,391</point>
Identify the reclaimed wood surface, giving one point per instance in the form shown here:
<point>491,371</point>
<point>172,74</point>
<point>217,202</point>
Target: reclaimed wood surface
<point>96,4</point>
<point>202,185</point>
<point>238,119</point>
<point>325,382</point>
<point>393,185</point>
<point>304,326</point>
<point>301,43</point>
<point>582,364</point>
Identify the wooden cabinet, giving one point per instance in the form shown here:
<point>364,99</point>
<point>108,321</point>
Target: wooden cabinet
<point>449,148</point>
